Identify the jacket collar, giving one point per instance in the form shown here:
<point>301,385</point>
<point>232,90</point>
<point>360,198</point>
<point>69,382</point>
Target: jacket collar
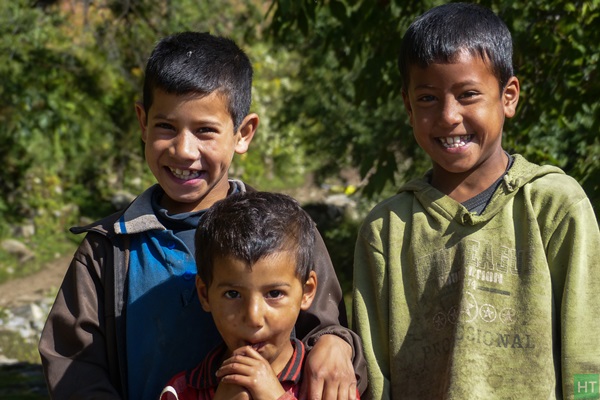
<point>140,217</point>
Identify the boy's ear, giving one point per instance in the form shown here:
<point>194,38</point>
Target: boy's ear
<point>202,290</point>
<point>510,97</point>
<point>309,291</point>
<point>142,118</point>
<point>407,106</point>
<point>246,132</point>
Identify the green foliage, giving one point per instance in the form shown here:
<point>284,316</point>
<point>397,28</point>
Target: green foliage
<point>15,347</point>
<point>339,238</point>
<point>277,158</point>
<point>71,74</point>
<point>54,115</point>
<point>349,52</point>
<point>558,120</point>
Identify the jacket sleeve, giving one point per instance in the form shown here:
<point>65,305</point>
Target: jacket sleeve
<point>371,309</point>
<point>73,344</point>
<point>327,314</point>
<point>573,252</point>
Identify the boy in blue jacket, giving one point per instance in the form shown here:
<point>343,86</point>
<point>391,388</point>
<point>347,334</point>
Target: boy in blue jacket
<point>127,316</point>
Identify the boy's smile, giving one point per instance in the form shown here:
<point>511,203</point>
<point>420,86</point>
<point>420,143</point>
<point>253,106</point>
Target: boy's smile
<point>189,144</point>
<point>457,113</point>
<point>453,142</point>
<point>257,307</point>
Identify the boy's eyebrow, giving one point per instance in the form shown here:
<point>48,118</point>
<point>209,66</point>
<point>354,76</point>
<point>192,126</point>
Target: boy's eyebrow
<point>238,285</point>
<point>424,86</point>
<point>161,115</point>
<point>202,120</point>
<point>456,85</point>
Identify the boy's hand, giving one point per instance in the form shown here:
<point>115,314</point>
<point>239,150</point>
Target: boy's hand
<point>226,391</point>
<point>248,369</point>
<point>328,371</point>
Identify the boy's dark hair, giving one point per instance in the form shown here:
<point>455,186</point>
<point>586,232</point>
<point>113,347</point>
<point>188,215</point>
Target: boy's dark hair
<point>441,33</point>
<point>200,63</point>
<point>252,225</point>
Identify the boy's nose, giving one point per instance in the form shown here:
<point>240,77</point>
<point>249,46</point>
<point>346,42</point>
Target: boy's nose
<point>255,313</point>
<point>451,112</point>
<point>185,145</point>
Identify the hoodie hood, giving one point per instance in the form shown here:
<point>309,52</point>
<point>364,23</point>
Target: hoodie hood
<point>444,207</point>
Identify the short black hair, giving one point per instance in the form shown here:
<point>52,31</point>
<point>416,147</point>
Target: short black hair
<point>252,225</point>
<point>440,34</point>
<point>200,63</point>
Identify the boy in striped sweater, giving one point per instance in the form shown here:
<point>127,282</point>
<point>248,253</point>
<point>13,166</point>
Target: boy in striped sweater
<point>255,274</point>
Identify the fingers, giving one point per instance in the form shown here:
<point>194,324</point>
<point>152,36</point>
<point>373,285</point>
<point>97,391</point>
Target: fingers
<point>244,355</point>
<point>321,390</point>
<point>328,371</point>
<point>312,387</point>
<point>234,368</point>
<point>247,351</point>
<point>240,363</point>
<point>254,374</point>
<point>244,362</point>
<point>352,390</point>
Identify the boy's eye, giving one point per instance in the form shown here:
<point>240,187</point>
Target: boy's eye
<point>469,94</point>
<point>426,98</point>
<point>232,294</point>
<point>206,129</point>
<point>274,294</point>
<point>164,125</point>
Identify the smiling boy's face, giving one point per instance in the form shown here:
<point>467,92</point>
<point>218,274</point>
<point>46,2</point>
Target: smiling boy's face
<point>257,307</point>
<point>189,144</point>
<point>457,112</point>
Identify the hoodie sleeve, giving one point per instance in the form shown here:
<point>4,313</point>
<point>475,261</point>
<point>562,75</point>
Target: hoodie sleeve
<point>371,308</point>
<point>573,253</point>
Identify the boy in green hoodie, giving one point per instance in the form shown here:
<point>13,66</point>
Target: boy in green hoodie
<point>477,280</point>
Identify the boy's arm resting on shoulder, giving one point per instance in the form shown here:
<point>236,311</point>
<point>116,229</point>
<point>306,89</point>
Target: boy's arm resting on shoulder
<point>73,343</point>
<point>328,371</point>
<point>327,316</point>
<point>573,254</point>
<point>227,391</point>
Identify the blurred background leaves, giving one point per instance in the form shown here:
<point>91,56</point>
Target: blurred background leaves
<point>326,87</point>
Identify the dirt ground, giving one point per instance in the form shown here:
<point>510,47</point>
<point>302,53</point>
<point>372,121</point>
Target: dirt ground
<point>24,380</point>
<point>33,287</point>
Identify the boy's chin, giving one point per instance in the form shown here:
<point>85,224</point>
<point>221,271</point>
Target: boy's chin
<point>181,204</point>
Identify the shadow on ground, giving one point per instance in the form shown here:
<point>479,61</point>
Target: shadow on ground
<point>22,381</point>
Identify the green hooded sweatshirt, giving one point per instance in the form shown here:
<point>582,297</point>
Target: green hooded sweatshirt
<point>502,305</point>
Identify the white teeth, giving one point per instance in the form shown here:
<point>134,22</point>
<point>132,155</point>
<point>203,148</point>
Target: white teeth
<point>185,174</point>
<point>455,141</point>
